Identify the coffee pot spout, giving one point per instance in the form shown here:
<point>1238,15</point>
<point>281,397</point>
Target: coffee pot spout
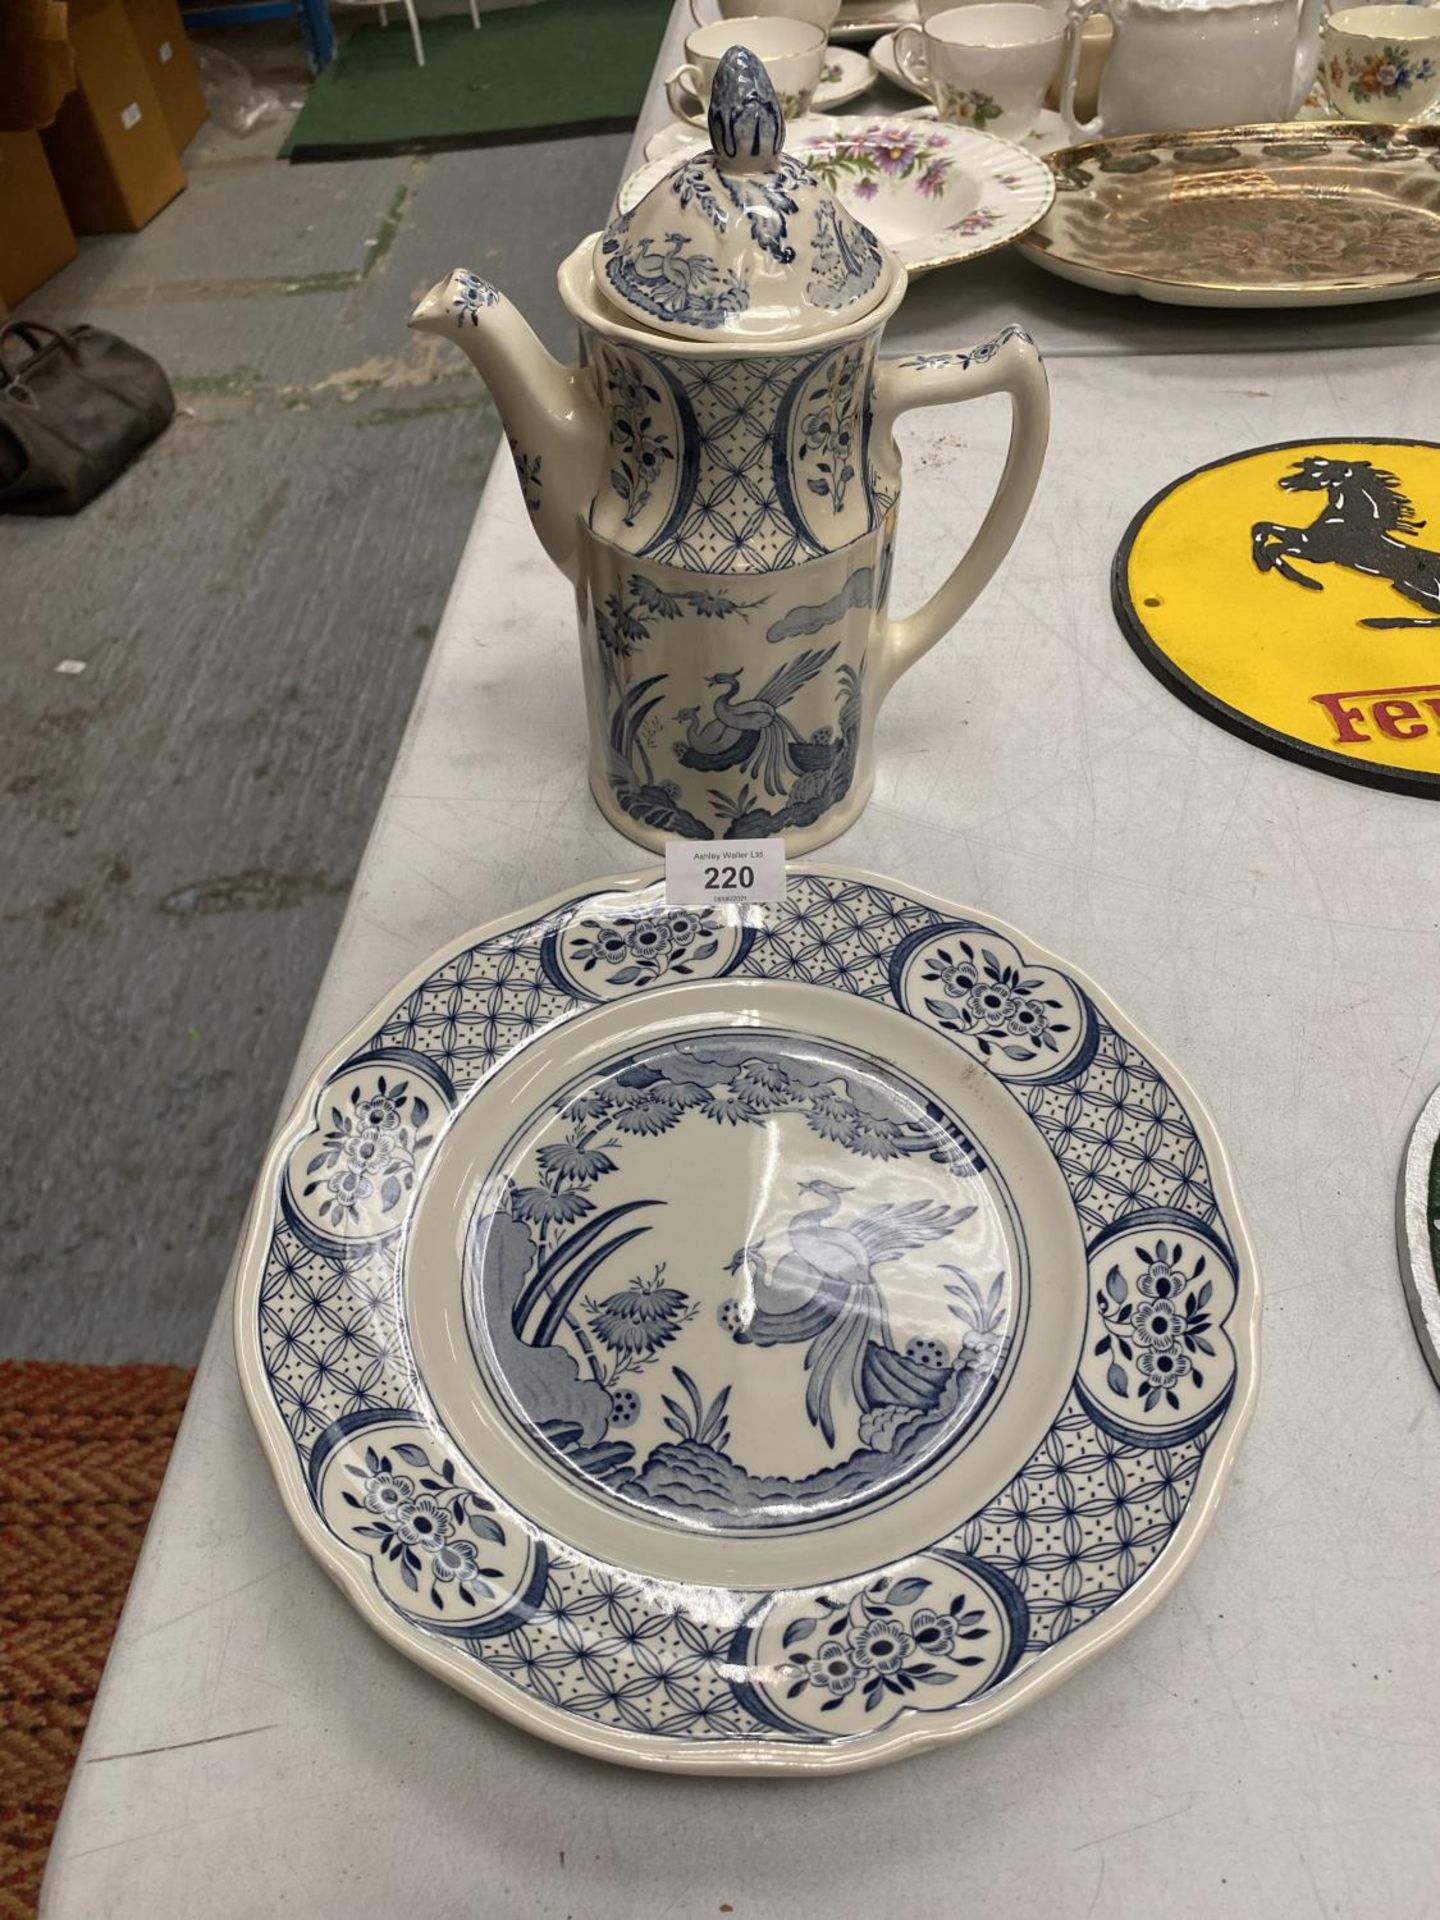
<point>548,410</point>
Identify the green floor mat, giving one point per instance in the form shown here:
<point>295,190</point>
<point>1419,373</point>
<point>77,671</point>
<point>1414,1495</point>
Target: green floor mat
<point>557,67</point>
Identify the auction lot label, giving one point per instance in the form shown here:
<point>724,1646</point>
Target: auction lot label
<point>1292,594</point>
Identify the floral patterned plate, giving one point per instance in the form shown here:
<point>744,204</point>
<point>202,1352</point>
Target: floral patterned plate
<point>1314,213</point>
<point>780,1344</point>
<point>934,194</point>
<point>1047,136</point>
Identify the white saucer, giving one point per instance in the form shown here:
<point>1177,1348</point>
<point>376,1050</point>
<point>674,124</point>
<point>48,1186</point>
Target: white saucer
<point>845,77</point>
<point>882,59</point>
<point>862,20</point>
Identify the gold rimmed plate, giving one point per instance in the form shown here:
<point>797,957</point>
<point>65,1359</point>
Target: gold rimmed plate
<point>1311,213</point>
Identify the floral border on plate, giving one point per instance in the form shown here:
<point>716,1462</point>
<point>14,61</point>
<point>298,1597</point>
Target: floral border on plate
<point>649,1672</point>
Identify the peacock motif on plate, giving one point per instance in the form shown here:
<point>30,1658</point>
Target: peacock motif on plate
<point>884,1322</point>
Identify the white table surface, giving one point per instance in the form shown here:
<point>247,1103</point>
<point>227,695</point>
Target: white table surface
<point>1266,1744</point>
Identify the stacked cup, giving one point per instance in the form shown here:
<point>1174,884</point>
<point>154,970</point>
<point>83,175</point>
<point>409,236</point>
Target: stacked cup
<point>987,65</point>
<point>1382,63</point>
<point>789,36</point>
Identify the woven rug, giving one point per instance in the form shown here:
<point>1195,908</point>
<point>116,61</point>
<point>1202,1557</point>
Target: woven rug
<point>559,67</point>
<point>84,1449</point>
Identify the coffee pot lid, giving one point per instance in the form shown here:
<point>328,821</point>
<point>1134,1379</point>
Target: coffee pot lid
<point>741,242</point>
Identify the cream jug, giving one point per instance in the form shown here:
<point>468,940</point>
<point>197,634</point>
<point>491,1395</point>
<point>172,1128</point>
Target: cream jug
<point>718,477</point>
<point>1178,64</point>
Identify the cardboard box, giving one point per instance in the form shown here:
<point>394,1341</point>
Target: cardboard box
<point>110,148</point>
<point>37,69</point>
<point>35,236</point>
<point>160,36</point>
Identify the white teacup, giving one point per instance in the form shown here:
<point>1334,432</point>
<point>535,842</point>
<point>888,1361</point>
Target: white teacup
<point>985,66</point>
<point>793,53</point>
<point>1382,63</point>
<point>819,13</point>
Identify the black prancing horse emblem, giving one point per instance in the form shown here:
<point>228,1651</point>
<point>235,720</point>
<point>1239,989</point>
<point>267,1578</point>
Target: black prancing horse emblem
<point>1358,529</point>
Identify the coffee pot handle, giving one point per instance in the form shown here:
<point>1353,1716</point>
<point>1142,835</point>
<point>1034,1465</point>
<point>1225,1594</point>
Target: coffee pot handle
<point>1007,364</point>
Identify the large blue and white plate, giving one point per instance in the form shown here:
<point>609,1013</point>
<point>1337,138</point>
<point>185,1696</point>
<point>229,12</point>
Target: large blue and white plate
<point>779,1346</point>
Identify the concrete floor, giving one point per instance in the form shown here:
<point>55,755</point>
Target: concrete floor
<point>253,602</point>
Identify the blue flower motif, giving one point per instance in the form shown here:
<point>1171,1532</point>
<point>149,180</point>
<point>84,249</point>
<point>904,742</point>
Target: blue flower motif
<point>570,1162</point>
<point>455,1560</point>
<point>350,1186</point>
<point>1028,1019</point>
<point>382,1110</point>
<point>387,1492</point>
<point>423,1522</point>
<point>1161,1279</point>
<point>1161,1367</point>
<point>957,980</point>
<point>642,1318</point>
<point>991,1004</point>
<point>728,1109</point>
<point>932,1632</point>
<point>469,295</point>
<point>1158,1324</point>
<point>647,1116</point>
<point>539,1207</point>
<point>362,1149</point>
<point>649,937</point>
<point>881,1645</point>
<point>834,1669</point>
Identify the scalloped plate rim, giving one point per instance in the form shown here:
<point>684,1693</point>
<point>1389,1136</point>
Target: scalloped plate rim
<point>653,1752</point>
<point>1412,1222</point>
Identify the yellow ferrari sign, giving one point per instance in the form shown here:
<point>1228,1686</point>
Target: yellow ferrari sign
<point>1288,593</point>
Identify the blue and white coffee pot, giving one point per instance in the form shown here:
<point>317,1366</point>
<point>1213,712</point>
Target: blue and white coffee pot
<point>718,477</point>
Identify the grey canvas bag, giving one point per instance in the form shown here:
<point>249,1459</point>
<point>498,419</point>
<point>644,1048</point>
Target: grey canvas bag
<point>76,406</point>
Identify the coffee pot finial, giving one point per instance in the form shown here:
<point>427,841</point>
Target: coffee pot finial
<point>747,122</point>
<point>740,241</point>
